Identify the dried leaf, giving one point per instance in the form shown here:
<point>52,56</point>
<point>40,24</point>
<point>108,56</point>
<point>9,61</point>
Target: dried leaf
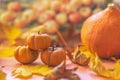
<point>82,50</point>
<point>2,75</point>
<point>61,72</point>
<point>6,51</point>
<point>96,65</point>
<point>12,34</point>
<point>28,71</point>
<point>81,56</point>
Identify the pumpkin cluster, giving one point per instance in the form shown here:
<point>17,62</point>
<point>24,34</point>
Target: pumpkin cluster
<point>39,43</point>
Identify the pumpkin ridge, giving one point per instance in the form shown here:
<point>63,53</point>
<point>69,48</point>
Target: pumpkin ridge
<point>91,39</point>
<point>26,53</point>
<point>49,62</point>
<point>19,54</point>
<point>96,29</point>
<point>34,42</point>
<point>46,45</point>
<point>43,40</point>
<point>91,32</point>
<point>16,51</point>
<point>16,55</point>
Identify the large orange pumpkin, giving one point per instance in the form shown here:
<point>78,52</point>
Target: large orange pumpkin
<point>25,55</point>
<point>101,32</point>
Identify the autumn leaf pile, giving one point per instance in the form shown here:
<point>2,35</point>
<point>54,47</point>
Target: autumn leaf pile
<point>95,64</point>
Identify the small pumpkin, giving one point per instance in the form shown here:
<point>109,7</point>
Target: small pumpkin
<point>101,32</point>
<point>38,41</point>
<point>53,56</point>
<point>14,6</point>
<point>25,55</point>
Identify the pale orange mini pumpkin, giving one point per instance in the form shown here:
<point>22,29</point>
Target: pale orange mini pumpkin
<point>14,6</point>
<point>53,56</point>
<point>101,32</point>
<point>38,41</point>
<point>25,55</point>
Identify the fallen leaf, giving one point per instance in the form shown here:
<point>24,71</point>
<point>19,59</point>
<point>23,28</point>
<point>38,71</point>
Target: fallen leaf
<point>82,50</point>
<point>116,72</point>
<point>80,56</point>
<point>12,33</point>
<point>95,64</point>
<point>28,71</point>
<point>61,71</point>
<point>6,51</point>
<point>2,75</point>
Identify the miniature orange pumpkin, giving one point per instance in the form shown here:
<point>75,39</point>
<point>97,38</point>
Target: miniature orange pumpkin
<point>101,32</point>
<point>25,55</point>
<point>53,56</point>
<point>15,6</point>
<point>38,41</point>
<point>7,16</point>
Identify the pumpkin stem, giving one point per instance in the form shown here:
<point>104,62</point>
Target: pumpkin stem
<point>53,48</point>
<point>78,51</point>
<point>39,32</point>
<point>63,40</point>
<point>111,5</point>
<point>25,44</point>
<point>64,64</point>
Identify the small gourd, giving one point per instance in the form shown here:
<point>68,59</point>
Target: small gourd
<point>38,41</point>
<point>25,55</point>
<point>53,56</point>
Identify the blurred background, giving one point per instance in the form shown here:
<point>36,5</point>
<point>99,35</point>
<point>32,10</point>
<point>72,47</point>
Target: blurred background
<point>20,18</point>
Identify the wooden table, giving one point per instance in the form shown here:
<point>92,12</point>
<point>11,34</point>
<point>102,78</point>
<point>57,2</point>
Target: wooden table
<point>84,72</point>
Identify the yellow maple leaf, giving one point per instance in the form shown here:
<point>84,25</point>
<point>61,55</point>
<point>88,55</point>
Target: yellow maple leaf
<point>82,50</point>
<point>12,33</point>
<point>28,71</point>
<point>2,75</point>
<point>97,66</point>
<point>116,72</point>
<point>6,51</point>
